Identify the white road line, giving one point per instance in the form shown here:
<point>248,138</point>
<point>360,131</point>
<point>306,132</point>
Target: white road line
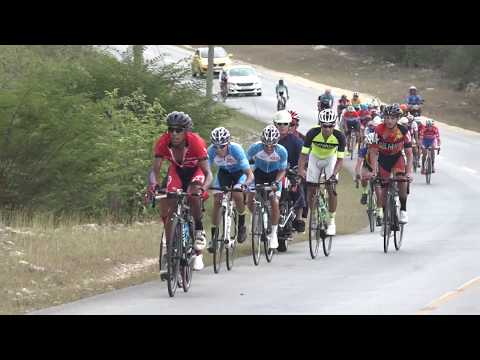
<point>472,171</point>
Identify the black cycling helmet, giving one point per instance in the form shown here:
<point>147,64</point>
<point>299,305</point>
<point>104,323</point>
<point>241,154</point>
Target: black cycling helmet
<point>179,119</point>
<point>280,82</point>
<point>393,110</point>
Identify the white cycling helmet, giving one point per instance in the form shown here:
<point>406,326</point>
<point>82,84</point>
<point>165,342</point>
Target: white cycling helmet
<point>377,120</point>
<point>350,108</point>
<point>429,122</point>
<point>403,121</point>
<point>410,118</point>
<point>371,138</point>
<point>270,135</point>
<point>327,116</point>
<point>413,88</point>
<point>282,117</point>
<point>220,136</point>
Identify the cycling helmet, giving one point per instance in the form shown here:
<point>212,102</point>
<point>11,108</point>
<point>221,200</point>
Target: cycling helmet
<point>270,135</point>
<point>355,94</point>
<point>220,136</point>
<point>410,118</point>
<point>393,110</point>
<point>356,107</point>
<point>412,88</point>
<point>327,116</point>
<point>404,107</point>
<point>282,117</point>
<point>344,97</point>
<point>371,138</point>
<point>429,122</point>
<point>179,119</point>
<point>403,121</point>
<point>328,91</point>
<point>295,117</point>
<point>280,82</point>
<point>377,120</point>
<point>350,108</point>
<point>364,106</point>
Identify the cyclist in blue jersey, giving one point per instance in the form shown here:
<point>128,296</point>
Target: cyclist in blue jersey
<point>233,171</point>
<point>270,162</point>
<point>293,145</point>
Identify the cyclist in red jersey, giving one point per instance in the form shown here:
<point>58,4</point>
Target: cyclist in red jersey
<point>189,170</point>
<point>392,138</point>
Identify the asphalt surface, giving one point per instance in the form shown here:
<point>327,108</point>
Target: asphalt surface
<point>436,271</point>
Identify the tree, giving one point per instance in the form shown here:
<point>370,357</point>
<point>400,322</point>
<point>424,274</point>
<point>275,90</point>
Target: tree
<point>138,56</point>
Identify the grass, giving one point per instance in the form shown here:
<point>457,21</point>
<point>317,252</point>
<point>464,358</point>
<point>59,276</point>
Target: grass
<point>45,265</point>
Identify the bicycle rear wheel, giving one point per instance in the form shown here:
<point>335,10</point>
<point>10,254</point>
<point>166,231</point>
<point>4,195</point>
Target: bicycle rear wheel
<point>186,263</point>
<point>282,238</point>
<point>257,231</point>
<point>327,244</point>
<point>314,230</point>
<point>219,245</point>
<point>174,250</point>
<point>233,244</point>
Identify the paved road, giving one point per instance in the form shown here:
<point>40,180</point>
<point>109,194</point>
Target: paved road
<point>436,271</point>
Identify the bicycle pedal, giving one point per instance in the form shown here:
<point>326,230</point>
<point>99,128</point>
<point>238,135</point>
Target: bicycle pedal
<point>163,275</point>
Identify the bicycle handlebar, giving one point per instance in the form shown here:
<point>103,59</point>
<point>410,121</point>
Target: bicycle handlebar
<point>225,189</point>
<point>173,194</point>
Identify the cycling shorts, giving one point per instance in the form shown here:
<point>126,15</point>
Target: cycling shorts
<point>316,165</point>
<point>227,179</point>
<point>389,163</point>
<point>262,177</point>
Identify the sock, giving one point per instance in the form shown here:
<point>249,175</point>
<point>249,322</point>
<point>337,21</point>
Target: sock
<point>403,204</point>
<point>380,211</point>
<point>274,229</point>
<point>214,229</point>
<point>241,218</point>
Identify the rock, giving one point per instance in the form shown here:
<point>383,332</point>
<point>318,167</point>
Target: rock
<point>36,268</point>
<point>108,260</point>
<point>23,262</point>
<point>430,89</point>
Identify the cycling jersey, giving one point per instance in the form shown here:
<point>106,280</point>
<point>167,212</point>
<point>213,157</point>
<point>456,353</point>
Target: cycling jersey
<point>195,150</point>
<point>326,99</point>
<point>414,100</point>
<point>235,159</point>
<point>324,148</point>
<point>293,145</point>
<point>430,133</point>
<point>392,142</point>
<point>281,88</point>
<point>351,116</point>
<point>267,163</point>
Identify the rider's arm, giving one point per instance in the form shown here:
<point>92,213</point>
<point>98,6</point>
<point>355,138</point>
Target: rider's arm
<point>340,151</point>
<point>203,164</point>
<point>157,166</point>
<point>438,137</point>
<point>306,150</point>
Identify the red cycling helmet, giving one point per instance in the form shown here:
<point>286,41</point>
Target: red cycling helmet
<point>295,118</point>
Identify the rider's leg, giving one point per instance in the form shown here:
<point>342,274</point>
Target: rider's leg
<point>432,152</point>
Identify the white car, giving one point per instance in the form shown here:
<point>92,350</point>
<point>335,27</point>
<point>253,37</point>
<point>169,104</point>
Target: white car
<point>243,79</point>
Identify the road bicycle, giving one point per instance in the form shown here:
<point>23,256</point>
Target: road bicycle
<point>262,222</point>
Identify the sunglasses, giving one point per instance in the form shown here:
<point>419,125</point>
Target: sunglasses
<point>283,124</point>
<point>220,147</point>
<point>176,130</point>
<point>327,126</point>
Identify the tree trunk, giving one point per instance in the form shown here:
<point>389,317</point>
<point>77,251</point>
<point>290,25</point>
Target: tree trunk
<point>138,56</point>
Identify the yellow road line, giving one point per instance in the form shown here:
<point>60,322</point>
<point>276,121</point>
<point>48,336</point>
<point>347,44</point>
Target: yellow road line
<point>447,297</point>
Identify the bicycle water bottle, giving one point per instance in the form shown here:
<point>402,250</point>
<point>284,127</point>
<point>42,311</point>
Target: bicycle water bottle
<point>265,220</point>
<point>397,204</point>
<point>227,227</point>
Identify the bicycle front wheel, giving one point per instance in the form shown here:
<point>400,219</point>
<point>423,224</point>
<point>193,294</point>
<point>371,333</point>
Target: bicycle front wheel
<point>399,238</point>
<point>186,263</point>
<point>174,251</point>
<point>314,231</point>
<point>371,210</point>
<point>327,244</point>
<point>266,245</point>
<point>428,169</point>
<point>218,246</point>
<point>257,231</point>
<point>386,227</point>
<point>233,244</point>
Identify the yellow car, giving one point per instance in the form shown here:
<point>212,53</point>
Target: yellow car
<point>200,60</point>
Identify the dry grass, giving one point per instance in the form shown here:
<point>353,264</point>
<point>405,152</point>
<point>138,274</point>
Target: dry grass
<point>44,265</point>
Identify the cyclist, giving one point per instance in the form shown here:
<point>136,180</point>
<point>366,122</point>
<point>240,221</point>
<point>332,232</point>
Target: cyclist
<point>325,147</point>
<point>351,121</point>
<point>189,170</point>
<point>429,137</point>
<point>325,101</point>
<point>293,145</point>
<point>356,99</point>
<point>365,117</point>
<point>270,163</point>
<point>295,124</point>
<point>343,103</point>
<point>364,169</point>
<point>387,156</point>
<point>233,171</point>
<point>280,89</point>
<point>413,129</point>
<point>414,101</point>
